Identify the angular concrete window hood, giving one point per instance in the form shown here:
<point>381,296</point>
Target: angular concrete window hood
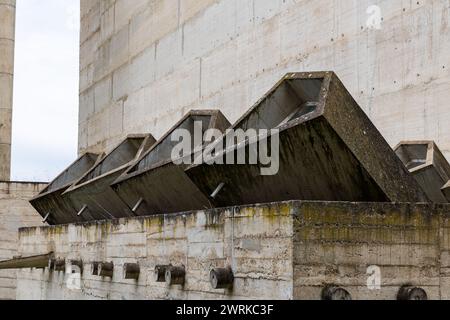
<point>155,185</point>
<point>50,203</point>
<point>329,151</point>
<point>428,166</point>
<point>92,195</point>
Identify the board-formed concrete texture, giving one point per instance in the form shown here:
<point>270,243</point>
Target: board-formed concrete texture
<point>15,212</point>
<point>446,191</point>
<point>7,36</point>
<point>227,53</point>
<point>287,250</point>
<point>50,203</point>
<point>428,166</point>
<point>329,150</point>
<point>155,184</point>
<point>92,195</point>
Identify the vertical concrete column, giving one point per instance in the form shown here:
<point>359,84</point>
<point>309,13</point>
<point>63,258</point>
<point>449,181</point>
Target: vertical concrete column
<point>7,33</point>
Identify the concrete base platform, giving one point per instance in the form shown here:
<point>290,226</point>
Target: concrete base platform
<point>288,250</point>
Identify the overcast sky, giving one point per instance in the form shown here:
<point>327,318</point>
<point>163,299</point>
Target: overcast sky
<point>46,88</point>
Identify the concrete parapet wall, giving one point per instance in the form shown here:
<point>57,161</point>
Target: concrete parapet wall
<point>256,242</point>
<point>335,243</point>
<point>15,213</point>
<point>277,251</point>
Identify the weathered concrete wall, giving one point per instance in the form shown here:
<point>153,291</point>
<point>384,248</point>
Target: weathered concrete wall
<point>15,213</point>
<point>279,251</point>
<point>336,243</point>
<point>255,242</point>
<point>144,63</point>
<point>7,35</point>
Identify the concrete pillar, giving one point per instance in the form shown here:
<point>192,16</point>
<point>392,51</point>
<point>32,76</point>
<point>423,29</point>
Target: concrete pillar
<point>7,33</point>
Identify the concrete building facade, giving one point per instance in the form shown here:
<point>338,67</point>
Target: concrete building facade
<point>145,63</point>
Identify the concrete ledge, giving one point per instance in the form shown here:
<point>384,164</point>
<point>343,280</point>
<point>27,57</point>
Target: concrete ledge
<point>23,182</point>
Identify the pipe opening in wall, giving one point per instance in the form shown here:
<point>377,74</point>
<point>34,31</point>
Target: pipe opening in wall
<point>221,278</point>
<point>106,269</point>
<point>160,273</point>
<point>175,275</point>
<point>77,266</point>
<point>332,292</point>
<point>60,265</point>
<point>408,292</point>
<point>95,268</point>
<point>131,271</point>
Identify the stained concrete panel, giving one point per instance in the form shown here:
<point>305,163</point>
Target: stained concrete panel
<point>329,150</point>
<point>155,184</point>
<point>428,166</point>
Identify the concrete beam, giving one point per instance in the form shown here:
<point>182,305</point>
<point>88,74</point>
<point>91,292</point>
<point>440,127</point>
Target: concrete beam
<point>40,261</point>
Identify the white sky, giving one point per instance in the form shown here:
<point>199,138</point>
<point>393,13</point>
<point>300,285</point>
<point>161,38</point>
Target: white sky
<point>45,121</point>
